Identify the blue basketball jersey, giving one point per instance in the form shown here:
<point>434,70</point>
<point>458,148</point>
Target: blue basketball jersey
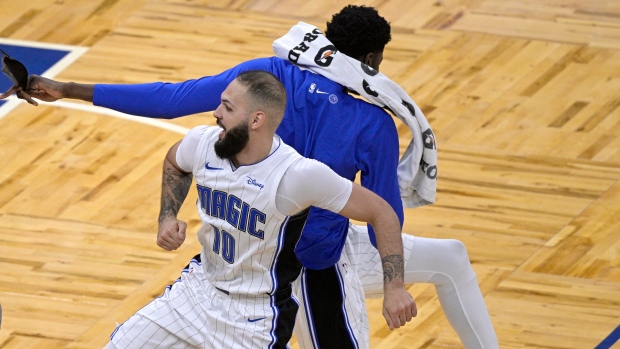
<point>322,121</point>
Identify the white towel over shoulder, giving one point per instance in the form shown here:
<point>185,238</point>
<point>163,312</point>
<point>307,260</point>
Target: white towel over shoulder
<point>306,46</point>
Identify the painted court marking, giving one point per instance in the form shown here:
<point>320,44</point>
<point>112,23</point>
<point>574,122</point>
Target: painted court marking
<point>100,110</point>
<point>73,53</point>
<point>608,342</point>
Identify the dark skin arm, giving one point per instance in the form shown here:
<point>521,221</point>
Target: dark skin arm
<point>49,90</point>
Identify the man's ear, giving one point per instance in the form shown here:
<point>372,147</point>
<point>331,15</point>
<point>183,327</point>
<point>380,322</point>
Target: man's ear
<point>368,59</point>
<point>257,120</point>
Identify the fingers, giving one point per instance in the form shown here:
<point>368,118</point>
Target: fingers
<point>171,235</point>
<point>38,87</point>
<point>388,319</point>
<point>181,232</point>
<point>10,91</point>
<point>23,95</point>
<point>399,309</point>
<point>166,242</point>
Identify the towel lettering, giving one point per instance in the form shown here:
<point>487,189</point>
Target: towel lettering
<point>325,56</point>
<point>368,89</point>
<point>431,171</point>
<point>368,69</point>
<point>429,139</point>
<point>295,53</point>
<point>409,107</point>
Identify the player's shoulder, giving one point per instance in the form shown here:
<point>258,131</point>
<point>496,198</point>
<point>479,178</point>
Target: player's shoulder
<point>201,131</point>
<point>334,95</point>
<point>369,107</point>
<point>369,114</point>
<point>290,72</point>
<point>304,168</point>
<point>275,65</point>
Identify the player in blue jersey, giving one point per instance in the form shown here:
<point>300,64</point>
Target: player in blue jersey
<point>237,292</point>
<point>324,122</point>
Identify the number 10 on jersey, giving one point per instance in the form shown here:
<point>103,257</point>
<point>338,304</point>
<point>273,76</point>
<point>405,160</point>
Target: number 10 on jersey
<point>226,243</point>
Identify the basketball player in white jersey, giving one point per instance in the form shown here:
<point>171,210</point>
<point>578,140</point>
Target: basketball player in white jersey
<point>357,32</point>
<point>442,262</point>
<point>250,185</point>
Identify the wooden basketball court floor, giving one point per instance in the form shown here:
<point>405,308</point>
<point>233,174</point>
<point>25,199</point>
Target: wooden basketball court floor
<point>523,97</point>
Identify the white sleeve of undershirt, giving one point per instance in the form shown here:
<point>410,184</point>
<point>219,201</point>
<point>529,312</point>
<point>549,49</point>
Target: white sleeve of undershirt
<point>311,183</point>
<point>187,149</point>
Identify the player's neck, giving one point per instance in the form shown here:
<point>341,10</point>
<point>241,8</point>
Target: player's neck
<point>257,149</point>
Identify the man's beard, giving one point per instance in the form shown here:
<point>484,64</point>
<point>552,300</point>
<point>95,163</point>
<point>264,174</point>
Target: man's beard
<point>233,142</point>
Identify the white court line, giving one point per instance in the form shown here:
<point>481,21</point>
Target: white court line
<point>14,101</point>
<point>37,44</point>
<point>74,53</point>
<point>100,110</point>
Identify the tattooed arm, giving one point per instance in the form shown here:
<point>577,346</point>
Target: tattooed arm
<point>363,205</point>
<point>175,185</point>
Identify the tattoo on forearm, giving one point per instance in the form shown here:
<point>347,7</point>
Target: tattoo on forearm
<point>174,189</point>
<point>393,267</point>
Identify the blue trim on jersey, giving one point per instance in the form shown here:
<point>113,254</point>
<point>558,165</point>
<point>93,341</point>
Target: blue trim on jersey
<point>116,330</point>
<point>233,169</point>
<point>274,280</point>
<point>185,270</point>
<point>344,309</point>
<point>309,317</point>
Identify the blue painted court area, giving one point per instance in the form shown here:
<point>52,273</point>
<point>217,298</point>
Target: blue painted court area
<point>608,342</point>
<point>36,60</point>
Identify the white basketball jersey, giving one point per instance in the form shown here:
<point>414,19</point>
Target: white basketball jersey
<point>246,236</point>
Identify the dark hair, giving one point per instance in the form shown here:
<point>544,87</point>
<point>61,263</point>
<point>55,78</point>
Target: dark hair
<point>266,91</point>
<point>358,30</point>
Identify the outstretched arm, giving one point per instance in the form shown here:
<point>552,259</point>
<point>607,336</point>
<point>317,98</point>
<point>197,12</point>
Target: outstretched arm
<point>49,90</point>
<point>174,188</point>
<point>363,205</point>
<point>153,100</point>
